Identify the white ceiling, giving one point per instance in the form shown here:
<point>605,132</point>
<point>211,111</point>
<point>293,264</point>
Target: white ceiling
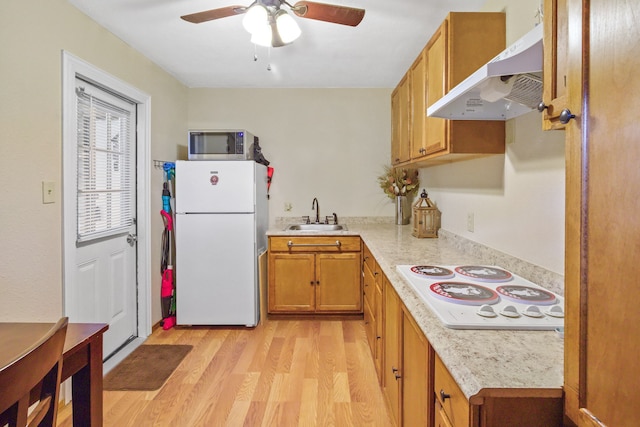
<point>219,54</point>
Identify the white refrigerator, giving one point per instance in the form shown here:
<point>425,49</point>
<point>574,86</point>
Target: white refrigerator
<point>221,223</point>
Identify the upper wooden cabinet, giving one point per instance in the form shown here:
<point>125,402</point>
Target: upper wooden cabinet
<point>602,324</point>
<point>418,95</point>
<point>554,95</point>
<point>401,122</point>
<point>463,43</point>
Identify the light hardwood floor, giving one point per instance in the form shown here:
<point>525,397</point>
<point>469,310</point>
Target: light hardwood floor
<point>282,373</point>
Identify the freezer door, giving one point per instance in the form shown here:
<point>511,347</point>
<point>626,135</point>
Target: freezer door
<point>216,269</point>
<point>215,186</point>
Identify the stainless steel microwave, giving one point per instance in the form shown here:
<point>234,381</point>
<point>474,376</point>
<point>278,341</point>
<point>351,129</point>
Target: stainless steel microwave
<point>221,145</point>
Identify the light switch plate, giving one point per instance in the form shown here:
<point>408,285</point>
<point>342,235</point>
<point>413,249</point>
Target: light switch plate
<point>48,192</point>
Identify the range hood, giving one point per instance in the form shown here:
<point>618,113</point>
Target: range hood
<point>507,86</point>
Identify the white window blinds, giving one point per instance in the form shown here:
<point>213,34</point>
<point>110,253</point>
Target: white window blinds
<point>104,168</point>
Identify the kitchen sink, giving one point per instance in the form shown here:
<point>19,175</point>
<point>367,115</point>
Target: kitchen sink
<point>316,227</point>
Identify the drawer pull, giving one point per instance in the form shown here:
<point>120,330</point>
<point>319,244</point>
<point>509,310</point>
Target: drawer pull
<point>444,396</point>
<point>291,244</point>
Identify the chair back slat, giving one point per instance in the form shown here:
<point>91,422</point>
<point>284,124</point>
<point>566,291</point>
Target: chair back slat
<point>38,366</point>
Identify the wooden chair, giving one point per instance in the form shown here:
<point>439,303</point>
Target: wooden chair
<point>38,368</point>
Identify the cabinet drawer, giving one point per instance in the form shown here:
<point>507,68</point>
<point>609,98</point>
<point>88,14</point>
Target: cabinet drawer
<point>315,244</point>
<point>370,327</point>
<point>369,286</point>
<point>368,258</point>
<point>455,406</point>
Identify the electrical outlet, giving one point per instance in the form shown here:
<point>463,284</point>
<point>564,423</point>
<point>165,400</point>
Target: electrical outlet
<point>288,206</point>
<point>48,192</point>
<point>470,224</point>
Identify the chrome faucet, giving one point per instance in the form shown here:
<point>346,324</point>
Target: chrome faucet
<point>315,205</point>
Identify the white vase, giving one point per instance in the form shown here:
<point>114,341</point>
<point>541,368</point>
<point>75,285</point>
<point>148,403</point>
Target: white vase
<point>403,210</point>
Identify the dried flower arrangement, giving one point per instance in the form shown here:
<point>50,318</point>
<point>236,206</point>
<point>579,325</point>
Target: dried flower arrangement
<point>399,182</point>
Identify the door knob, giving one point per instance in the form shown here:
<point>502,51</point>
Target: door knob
<point>132,239</point>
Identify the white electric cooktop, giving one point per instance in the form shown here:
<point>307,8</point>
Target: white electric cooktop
<point>485,297</point>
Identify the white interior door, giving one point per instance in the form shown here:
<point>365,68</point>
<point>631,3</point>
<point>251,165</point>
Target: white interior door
<point>102,288</point>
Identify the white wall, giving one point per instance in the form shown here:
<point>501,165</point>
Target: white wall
<point>324,143</point>
<point>33,33</point>
<point>517,199</point>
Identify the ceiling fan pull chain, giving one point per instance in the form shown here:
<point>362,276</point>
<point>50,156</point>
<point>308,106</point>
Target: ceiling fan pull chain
<point>269,58</point>
<point>255,52</point>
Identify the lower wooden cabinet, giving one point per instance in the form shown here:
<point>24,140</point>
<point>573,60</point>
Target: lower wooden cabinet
<point>392,377</point>
<point>407,366</point>
<point>494,407</point>
<point>314,275</point>
<point>372,282</point>
<point>450,399</point>
<point>417,400</point>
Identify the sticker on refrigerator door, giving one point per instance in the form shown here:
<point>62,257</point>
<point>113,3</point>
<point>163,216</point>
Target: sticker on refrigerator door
<point>214,179</point>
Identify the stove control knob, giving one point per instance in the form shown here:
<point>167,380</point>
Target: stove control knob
<point>486,310</point>
<point>533,311</point>
<point>555,311</point>
<point>510,311</point>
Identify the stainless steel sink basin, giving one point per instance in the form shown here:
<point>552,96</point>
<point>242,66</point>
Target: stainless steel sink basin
<point>316,227</point>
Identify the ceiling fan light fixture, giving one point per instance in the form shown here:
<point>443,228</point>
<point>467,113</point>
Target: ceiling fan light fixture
<point>255,18</point>
<point>262,35</point>
<point>287,27</point>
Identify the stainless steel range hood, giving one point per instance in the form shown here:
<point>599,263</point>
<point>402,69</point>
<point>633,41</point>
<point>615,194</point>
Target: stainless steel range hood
<point>507,86</point>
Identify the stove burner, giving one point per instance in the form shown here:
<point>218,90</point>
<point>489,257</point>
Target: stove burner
<point>432,271</point>
<point>526,294</point>
<point>464,293</point>
<point>484,274</point>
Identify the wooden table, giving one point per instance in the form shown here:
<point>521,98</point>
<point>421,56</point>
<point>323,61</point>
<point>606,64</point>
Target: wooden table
<point>81,361</point>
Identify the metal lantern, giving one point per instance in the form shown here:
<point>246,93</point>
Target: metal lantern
<point>426,217</point>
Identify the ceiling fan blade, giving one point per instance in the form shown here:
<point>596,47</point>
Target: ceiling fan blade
<point>210,15</point>
<point>329,12</point>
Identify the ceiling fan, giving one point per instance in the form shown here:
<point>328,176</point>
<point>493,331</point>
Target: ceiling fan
<point>271,25</point>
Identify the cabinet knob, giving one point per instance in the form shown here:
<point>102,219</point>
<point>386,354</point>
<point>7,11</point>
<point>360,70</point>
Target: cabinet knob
<point>444,396</point>
<point>394,369</point>
<point>542,106</point>
<point>565,116</point>
<point>317,282</point>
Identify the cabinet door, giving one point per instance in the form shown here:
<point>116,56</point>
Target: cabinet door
<point>573,222</point>
<point>556,53</point>
<point>417,401</point>
<point>379,333</point>
<point>369,286</point>
<point>449,396</point>
<point>441,419</point>
<point>395,126</point>
<point>392,340</point>
<point>400,116</point>
<point>436,55</point>
<point>338,282</point>
<point>291,282</point>
<point>610,320</point>
<point>418,106</point>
